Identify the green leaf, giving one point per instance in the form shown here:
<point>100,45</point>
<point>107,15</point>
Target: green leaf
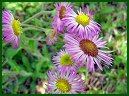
<point>107,10</point>
<point>121,88</point>
<point>112,76</point>
<point>82,70</point>
<point>33,44</point>
<point>39,75</point>
<point>40,64</point>
<point>45,51</point>
<point>14,65</point>
<point>26,63</point>
<point>10,52</point>
<point>25,74</point>
<point>33,87</point>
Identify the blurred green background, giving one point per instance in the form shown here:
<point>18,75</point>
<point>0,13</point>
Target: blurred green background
<point>24,69</point>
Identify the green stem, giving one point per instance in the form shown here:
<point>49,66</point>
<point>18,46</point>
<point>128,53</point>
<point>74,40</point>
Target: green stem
<point>31,27</point>
<point>34,39</point>
<point>36,15</point>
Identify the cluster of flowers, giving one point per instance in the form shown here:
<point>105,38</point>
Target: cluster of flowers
<point>83,47</point>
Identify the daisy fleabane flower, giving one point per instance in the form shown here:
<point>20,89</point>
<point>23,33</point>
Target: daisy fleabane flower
<point>64,59</point>
<point>89,51</point>
<point>61,9</point>
<point>81,23</point>
<point>11,28</point>
<point>52,37</point>
<point>64,81</point>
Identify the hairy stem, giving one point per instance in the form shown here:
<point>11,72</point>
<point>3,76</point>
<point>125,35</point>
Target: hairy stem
<point>36,15</point>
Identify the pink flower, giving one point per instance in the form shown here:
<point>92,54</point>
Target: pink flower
<point>81,23</point>
<point>64,59</point>
<point>61,9</point>
<point>64,81</point>
<point>52,38</point>
<point>89,51</point>
<point>11,28</point>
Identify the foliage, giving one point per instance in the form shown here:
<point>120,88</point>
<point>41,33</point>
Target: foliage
<point>25,67</point>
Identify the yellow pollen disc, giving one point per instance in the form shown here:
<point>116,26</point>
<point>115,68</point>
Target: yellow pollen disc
<point>62,12</point>
<point>66,60</point>
<point>89,47</point>
<point>16,27</point>
<point>63,85</point>
<point>53,34</point>
<point>83,19</point>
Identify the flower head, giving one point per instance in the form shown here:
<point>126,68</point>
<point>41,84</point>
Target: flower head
<point>11,28</point>
<point>64,81</point>
<point>61,9</point>
<point>64,59</point>
<point>88,50</point>
<point>51,38</point>
<point>81,23</point>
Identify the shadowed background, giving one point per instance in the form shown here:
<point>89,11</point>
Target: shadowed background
<point>24,70</point>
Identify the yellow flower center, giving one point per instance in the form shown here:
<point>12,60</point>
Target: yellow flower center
<point>66,60</point>
<point>83,19</point>
<point>63,85</point>
<point>16,27</point>
<point>62,12</point>
<point>53,34</point>
<point>89,47</point>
